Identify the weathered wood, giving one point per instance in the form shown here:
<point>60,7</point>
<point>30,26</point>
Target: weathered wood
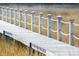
<point>10,11</point>
<point>49,25</point>
<point>32,20</point>
<point>2,13</point>
<point>15,15</point>
<point>7,14</point>
<point>71,32</point>
<point>40,22</point>
<point>26,19</point>
<point>59,28</point>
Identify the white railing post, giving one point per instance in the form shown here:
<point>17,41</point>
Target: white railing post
<point>71,32</point>
<point>20,17</point>
<point>59,28</point>
<point>2,13</point>
<point>15,16</point>
<point>11,15</point>
<point>49,25</point>
<point>7,14</point>
<point>26,19</point>
<point>32,20</point>
<point>40,22</point>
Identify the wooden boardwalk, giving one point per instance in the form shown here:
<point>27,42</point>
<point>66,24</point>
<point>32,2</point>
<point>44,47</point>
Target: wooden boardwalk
<point>47,46</point>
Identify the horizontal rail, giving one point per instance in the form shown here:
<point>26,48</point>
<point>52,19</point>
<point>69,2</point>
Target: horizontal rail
<point>76,37</point>
<point>53,30</point>
<point>44,28</point>
<point>54,20</point>
<point>64,22</point>
<point>44,18</point>
<point>76,24</point>
<point>64,34</point>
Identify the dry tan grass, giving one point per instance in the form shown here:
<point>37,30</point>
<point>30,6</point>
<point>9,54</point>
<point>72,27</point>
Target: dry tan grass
<point>8,49</point>
<point>17,49</point>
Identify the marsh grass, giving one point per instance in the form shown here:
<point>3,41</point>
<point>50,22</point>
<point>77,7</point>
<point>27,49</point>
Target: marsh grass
<point>8,49</point>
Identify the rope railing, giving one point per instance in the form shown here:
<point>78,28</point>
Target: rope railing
<point>64,22</point>
<point>53,30</point>
<point>24,19</point>
<point>64,33</point>
<point>44,18</point>
<point>44,28</point>
<point>30,24</point>
<point>76,37</point>
<point>76,24</point>
<point>54,20</point>
<point>37,26</point>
